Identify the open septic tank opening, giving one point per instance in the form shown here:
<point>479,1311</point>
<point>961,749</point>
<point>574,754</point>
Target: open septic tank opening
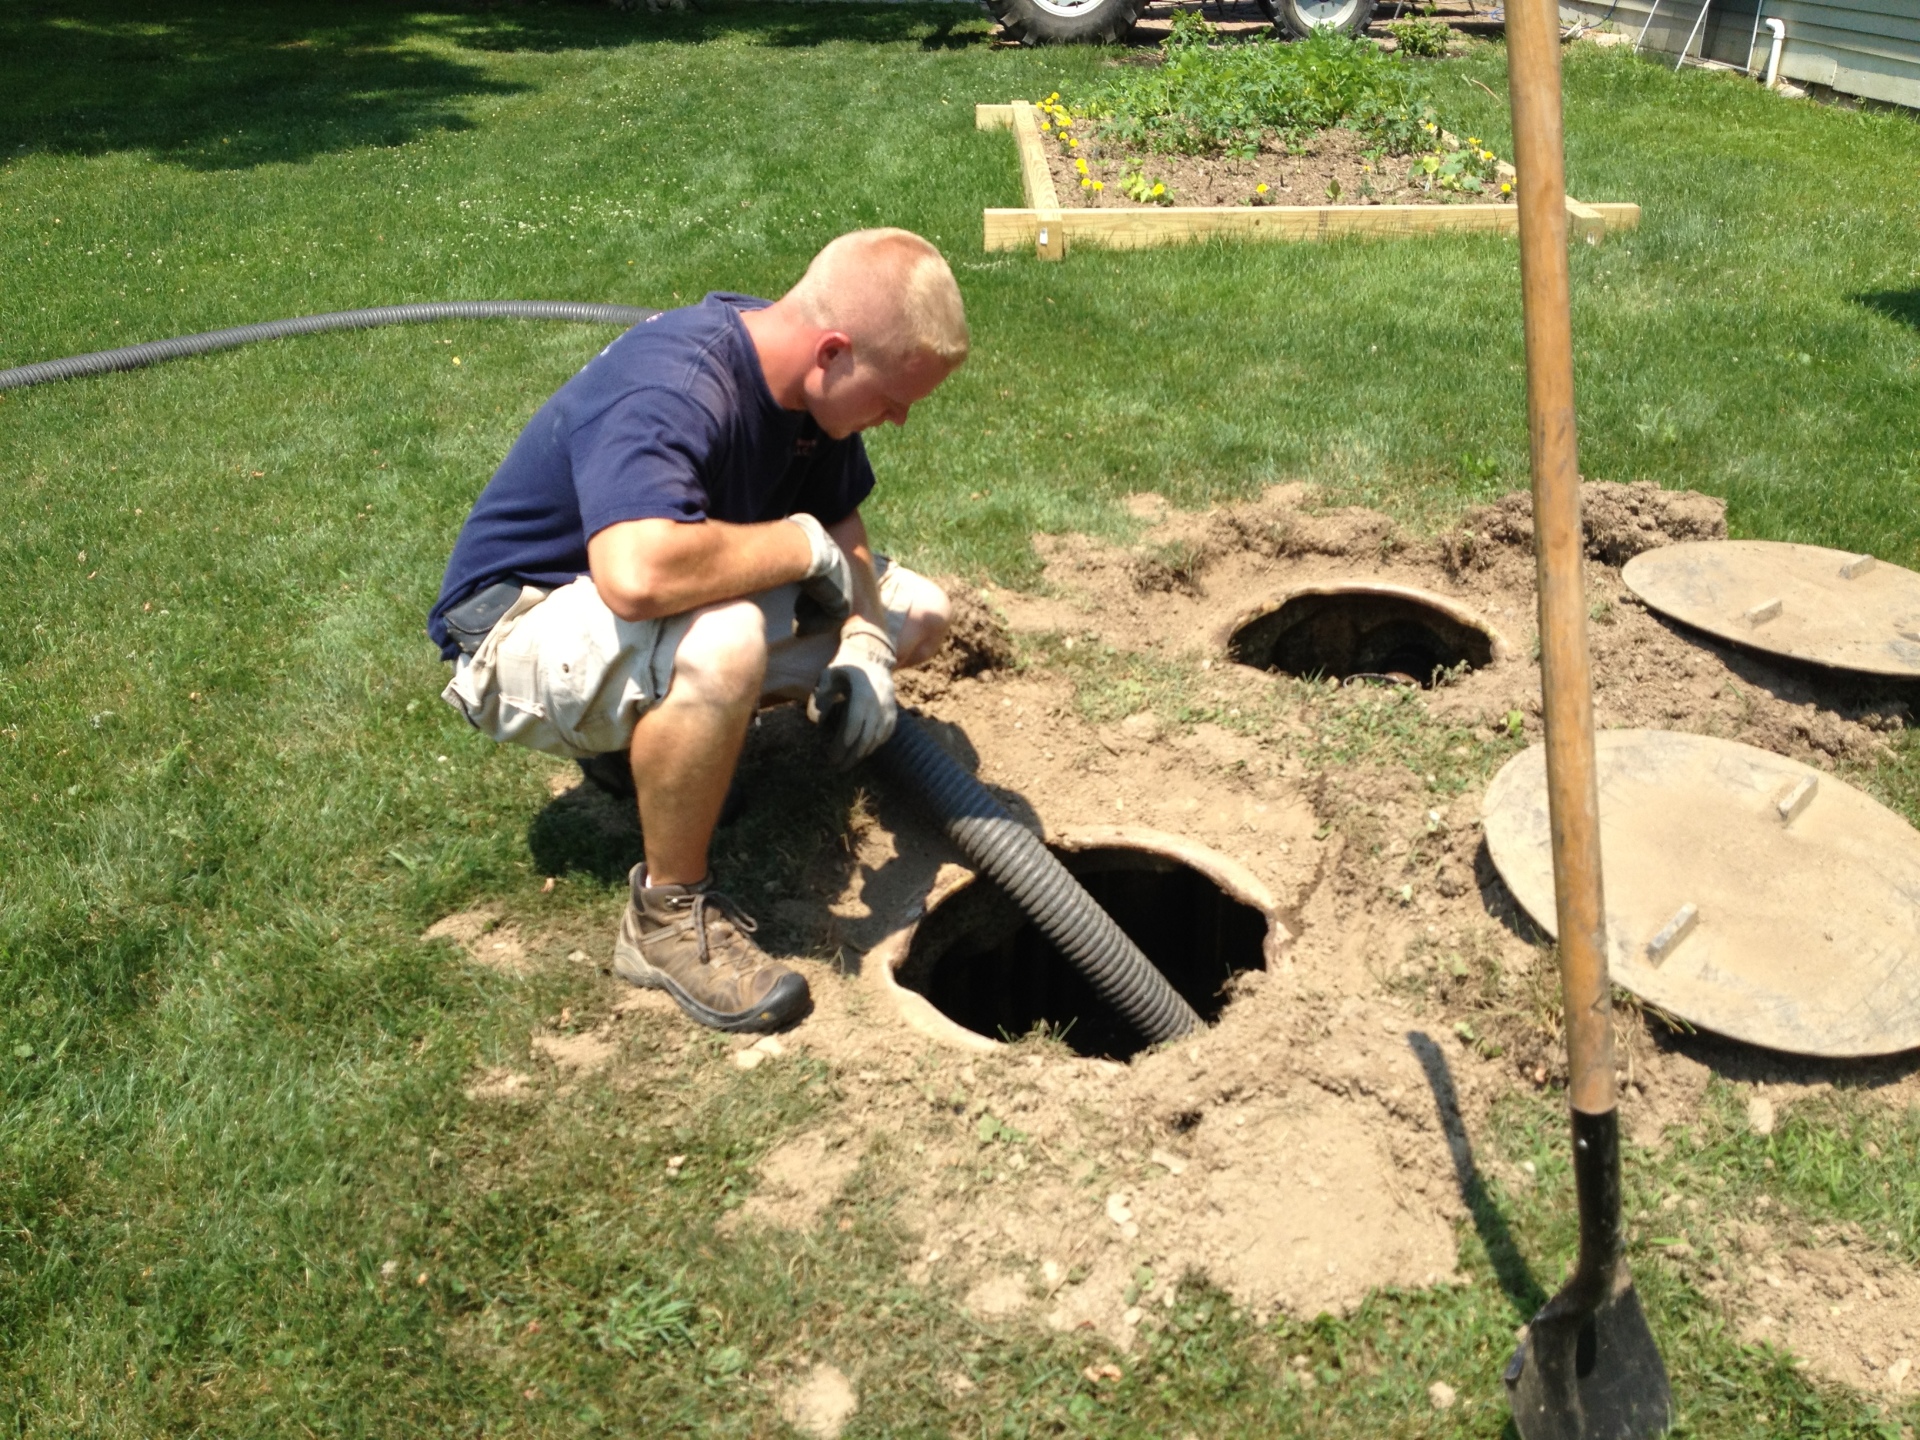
<point>1340,631</point>
<point>987,967</point>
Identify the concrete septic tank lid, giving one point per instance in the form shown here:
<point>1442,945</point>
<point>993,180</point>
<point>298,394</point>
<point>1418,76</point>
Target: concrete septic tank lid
<point>1234,881</point>
<point>1264,629</point>
<point>1828,607</point>
<point>1747,893</point>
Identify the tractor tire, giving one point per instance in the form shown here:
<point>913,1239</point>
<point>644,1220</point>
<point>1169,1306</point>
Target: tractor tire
<point>1067,22</point>
<point>1297,19</point>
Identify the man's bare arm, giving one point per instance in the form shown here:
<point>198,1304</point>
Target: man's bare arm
<point>851,536</point>
<point>648,569</point>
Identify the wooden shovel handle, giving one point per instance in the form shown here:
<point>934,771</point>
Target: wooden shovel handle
<point>1533,54</point>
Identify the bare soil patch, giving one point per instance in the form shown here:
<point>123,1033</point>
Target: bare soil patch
<point>1315,1143</point>
<point>485,940</point>
<point>1826,1293</point>
<point>1334,166</point>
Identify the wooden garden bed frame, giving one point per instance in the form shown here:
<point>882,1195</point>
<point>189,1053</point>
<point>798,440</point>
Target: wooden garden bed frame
<point>1051,229</point>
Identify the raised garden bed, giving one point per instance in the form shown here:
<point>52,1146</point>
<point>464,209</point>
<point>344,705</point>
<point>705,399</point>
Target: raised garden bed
<point>1210,136</point>
<point>1290,209</point>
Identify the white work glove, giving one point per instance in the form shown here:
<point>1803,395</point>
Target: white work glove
<point>859,683</point>
<point>829,579</point>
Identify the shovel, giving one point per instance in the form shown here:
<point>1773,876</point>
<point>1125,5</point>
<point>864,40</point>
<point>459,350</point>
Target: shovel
<point>1587,1367</point>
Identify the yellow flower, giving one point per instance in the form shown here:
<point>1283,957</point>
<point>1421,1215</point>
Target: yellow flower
<point>1159,189</point>
<point>1486,154</point>
<point>1506,187</point>
<point>1081,166</point>
<point>1473,140</point>
<point>1072,143</point>
<point>1086,184</point>
<point>1099,185</point>
<point>1259,189</point>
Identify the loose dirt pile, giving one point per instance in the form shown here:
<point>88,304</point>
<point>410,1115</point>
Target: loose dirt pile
<point>1315,1143</point>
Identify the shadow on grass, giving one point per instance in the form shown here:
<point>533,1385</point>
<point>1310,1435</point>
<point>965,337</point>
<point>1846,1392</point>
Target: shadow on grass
<point>209,85</point>
<point>1901,305</point>
<point>1509,1265</point>
<point>586,831</point>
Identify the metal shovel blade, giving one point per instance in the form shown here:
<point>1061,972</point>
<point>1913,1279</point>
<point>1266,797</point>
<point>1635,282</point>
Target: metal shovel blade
<point>1587,1368</point>
<point>1589,1376</point>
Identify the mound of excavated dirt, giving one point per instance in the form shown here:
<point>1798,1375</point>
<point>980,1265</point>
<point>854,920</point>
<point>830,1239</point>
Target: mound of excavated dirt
<point>1313,1144</point>
<point>976,642</point>
<point>1618,521</point>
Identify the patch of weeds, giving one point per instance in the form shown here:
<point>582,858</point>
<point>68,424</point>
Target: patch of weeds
<point>1110,684</point>
<point>644,1318</point>
<point>1510,1012</point>
<point>1208,98</point>
<point>1137,187</point>
<point>1175,566</point>
<point>1893,780</point>
<point>991,1130</point>
<point>1352,727</point>
<point>1468,169</point>
<point>1477,470</point>
<point>1424,39</point>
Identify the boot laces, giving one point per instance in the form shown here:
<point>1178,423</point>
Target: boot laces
<point>697,906</point>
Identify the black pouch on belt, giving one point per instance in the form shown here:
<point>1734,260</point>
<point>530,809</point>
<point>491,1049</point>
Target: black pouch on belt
<point>470,621</point>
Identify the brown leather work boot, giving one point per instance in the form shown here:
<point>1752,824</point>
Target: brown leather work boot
<point>693,943</point>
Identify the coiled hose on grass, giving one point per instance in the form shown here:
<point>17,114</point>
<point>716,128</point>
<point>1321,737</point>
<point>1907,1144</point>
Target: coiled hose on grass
<point>1014,858</point>
<point>152,352</point>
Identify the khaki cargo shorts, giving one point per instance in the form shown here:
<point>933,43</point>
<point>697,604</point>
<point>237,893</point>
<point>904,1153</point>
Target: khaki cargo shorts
<point>561,673</point>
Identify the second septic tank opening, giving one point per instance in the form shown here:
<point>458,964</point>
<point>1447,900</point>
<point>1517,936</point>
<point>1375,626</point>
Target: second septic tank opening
<point>986,966</point>
<point>1340,632</point>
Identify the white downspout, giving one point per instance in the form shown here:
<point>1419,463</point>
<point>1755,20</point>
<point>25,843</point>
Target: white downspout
<point>1779,31</point>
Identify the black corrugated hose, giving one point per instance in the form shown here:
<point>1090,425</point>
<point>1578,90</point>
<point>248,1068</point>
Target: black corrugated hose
<point>1014,858</point>
<point>152,352</point>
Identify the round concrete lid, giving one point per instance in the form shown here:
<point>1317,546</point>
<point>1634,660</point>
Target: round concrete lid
<point>1747,893</point>
<point>1829,607</point>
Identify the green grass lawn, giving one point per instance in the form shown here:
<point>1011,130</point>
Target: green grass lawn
<point>230,1075</point>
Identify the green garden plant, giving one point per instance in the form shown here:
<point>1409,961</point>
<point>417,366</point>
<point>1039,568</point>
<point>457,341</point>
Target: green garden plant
<point>1207,98</point>
<point>1426,38</point>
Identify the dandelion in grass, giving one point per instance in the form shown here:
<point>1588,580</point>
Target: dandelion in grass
<point>1506,187</point>
<point>1260,189</point>
<point>1099,185</point>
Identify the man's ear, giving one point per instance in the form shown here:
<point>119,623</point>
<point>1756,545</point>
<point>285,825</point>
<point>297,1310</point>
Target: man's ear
<point>832,349</point>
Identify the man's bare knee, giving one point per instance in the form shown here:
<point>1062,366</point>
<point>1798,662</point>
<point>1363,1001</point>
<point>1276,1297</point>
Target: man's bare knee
<point>723,656</point>
<point>925,628</point>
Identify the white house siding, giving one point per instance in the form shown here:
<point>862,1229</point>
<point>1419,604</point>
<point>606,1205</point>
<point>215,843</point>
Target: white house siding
<point>1869,48</point>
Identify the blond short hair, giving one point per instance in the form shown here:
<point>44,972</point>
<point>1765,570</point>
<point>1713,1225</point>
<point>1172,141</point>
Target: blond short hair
<point>891,292</point>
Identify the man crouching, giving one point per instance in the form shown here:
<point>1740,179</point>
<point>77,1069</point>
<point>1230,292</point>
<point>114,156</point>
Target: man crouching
<point>675,540</point>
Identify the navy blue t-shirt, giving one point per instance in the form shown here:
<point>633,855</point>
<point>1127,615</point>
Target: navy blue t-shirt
<point>671,421</point>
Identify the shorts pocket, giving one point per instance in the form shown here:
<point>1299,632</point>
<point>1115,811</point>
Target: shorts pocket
<point>516,670</point>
